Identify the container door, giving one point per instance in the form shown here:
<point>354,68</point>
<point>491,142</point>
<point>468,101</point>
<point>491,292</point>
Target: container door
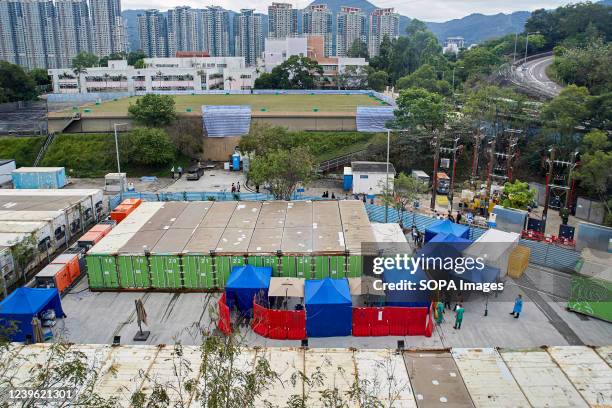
<point>272,262</point>
<point>166,273</point>
<point>321,267</point>
<point>134,272</point>
<point>303,267</point>
<point>355,266</point>
<point>94,271</point>
<point>336,267</point>
<point>62,279</point>
<point>289,266</point>
<point>198,272</point>
<point>102,272</point>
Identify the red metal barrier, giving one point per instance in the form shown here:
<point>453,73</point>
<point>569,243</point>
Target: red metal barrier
<point>279,324</point>
<point>430,322</point>
<point>390,321</point>
<point>224,324</point>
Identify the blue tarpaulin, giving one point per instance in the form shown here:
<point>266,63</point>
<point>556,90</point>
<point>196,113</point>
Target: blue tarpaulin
<point>244,283</point>
<point>328,307</point>
<point>405,297</point>
<point>446,227</point>
<point>22,305</point>
<point>230,120</point>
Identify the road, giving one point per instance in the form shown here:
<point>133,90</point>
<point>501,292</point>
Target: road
<point>532,74</point>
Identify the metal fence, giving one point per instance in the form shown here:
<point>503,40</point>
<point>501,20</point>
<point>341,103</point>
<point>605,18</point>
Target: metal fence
<point>23,118</point>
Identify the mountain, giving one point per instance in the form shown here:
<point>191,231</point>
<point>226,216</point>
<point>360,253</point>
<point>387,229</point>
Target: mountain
<point>475,28</point>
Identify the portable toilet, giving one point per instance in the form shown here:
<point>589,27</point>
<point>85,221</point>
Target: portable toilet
<point>348,179</point>
<point>235,162</point>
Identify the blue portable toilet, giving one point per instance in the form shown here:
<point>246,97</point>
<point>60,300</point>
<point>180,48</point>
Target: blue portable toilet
<point>235,162</point>
<point>348,179</point>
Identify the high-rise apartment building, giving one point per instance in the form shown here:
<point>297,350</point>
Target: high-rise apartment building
<point>317,20</point>
<point>74,29</point>
<point>282,20</point>
<point>109,31</point>
<point>213,31</point>
<point>383,22</point>
<point>182,33</point>
<point>29,33</point>
<point>248,35</point>
<point>153,33</point>
<point>351,26</point>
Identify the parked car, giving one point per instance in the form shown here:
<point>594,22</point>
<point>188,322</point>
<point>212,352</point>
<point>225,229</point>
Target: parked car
<point>195,172</point>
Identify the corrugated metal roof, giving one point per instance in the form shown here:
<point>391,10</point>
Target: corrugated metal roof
<point>541,379</point>
<point>488,379</point>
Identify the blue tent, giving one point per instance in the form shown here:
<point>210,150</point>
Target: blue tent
<point>406,298</point>
<point>446,227</point>
<point>445,245</point>
<point>488,274</point>
<point>244,283</point>
<point>328,307</point>
<point>22,305</point>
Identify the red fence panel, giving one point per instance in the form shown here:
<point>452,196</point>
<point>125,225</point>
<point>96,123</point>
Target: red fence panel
<point>224,324</point>
<point>378,322</point>
<point>361,321</point>
<point>430,323</point>
<point>418,320</point>
<point>260,321</point>
<point>398,319</point>
<point>296,324</point>
<point>278,325</point>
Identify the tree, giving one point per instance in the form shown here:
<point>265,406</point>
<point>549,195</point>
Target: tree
<point>283,170</point>
<point>135,56</point>
<point>186,135</point>
<point>40,76</point>
<point>148,147</point>
<point>383,60</point>
<point>262,138</point>
<point>518,195</point>
<point>424,77</point>
<point>566,112</point>
<point>589,66</point>
<point>358,49</point>
<point>377,80</point>
<point>294,73</point>
<point>477,61</point>
<point>419,109</point>
<point>153,110</point>
<point>85,60</point>
<point>352,77</point>
<point>16,84</point>
<point>140,64</point>
<point>403,194</point>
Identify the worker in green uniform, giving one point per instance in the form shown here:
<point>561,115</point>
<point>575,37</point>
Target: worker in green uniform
<point>459,316</point>
<point>440,311</point>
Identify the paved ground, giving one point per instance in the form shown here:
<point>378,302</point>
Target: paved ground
<point>533,75</point>
<point>95,317</point>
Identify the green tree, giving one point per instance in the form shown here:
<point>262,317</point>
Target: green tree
<point>566,111</point>
<point>419,109</point>
<point>148,147</point>
<point>40,76</point>
<point>358,49</point>
<point>153,110</point>
<point>600,108</point>
<point>590,66</point>
<point>352,77</point>
<point>382,61</point>
<point>140,64</point>
<point>135,56</point>
<point>404,192</point>
<point>16,84</point>
<point>517,195</point>
<point>283,170</point>
<point>262,138</point>
<point>294,73</point>
<point>424,77</point>
<point>477,61</point>
<point>85,60</point>
<point>377,80</point>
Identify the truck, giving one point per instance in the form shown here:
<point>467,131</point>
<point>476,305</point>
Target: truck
<point>443,186</point>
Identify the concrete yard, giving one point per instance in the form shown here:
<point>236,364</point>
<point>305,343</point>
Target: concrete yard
<point>95,317</point>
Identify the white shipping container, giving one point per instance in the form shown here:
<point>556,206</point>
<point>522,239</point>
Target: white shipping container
<point>6,169</point>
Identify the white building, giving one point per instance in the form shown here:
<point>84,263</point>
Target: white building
<point>160,74</point>
<point>453,45</point>
<point>371,177</point>
<point>383,23</point>
<point>278,50</point>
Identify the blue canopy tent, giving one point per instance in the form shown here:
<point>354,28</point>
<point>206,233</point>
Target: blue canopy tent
<point>244,283</point>
<point>488,274</point>
<point>328,307</point>
<point>22,305</point>
<point>445,245</point>
<point>446,227</point>
<point>406,298</point>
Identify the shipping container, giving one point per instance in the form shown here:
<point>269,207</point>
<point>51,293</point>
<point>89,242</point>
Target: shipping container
<point>7,269</point>
<point>165,272</point>
<point>72,263</point>
<point>121,212</point>
<point>39,177</point>
<point>134,271</point>
<point>198,272</point>
<point>102,272</point>
<point>58,221</point>
<point>6,169</point>
<point>54,276</point>
<point>89,239</point>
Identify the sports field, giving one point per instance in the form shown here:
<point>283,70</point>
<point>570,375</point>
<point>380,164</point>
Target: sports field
<point>258,103</point>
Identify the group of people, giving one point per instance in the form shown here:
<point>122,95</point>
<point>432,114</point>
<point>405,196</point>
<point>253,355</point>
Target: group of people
<point>326,195</point>
<point>417,237</point>
<point>236,187</point>
<point>460,310</point>
<point>176,174</point>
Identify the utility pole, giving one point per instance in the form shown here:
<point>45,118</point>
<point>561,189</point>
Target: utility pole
<point>550,163</point>
<point>515,41</point>
<point>491,151</point>
<point>511,151</point>
<point>477,140</point>
<point>435,142</point>
<point>454,150</point>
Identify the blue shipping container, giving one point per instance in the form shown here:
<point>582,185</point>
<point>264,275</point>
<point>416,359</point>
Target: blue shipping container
<point>39,177</point>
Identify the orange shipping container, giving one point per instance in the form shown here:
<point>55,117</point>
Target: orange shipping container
<point>54,275</point>
<point>72,262</point>
<point>122,211</point>
<point>90,239</point>
<point>103,228</point>
<point>134,202</point>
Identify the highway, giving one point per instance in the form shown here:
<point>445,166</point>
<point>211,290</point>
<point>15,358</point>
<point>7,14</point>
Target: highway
<point>532,74</point>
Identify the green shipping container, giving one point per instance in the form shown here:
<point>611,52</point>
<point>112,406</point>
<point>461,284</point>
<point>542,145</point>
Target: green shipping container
<point>134,272</point>
<point>297,267</point>
<point>329,267</point>
<point>355,267</point>
<point>198,272</point>
<point>165,272</point>
<point>102,271</point>
<point>591,296</point>
<point>223,268</point>
<point>261,260</point>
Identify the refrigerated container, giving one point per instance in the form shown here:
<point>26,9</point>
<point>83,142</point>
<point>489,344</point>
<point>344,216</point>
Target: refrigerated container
<point>39,177</point>
<point>72,263</point>
<point>53,276</point>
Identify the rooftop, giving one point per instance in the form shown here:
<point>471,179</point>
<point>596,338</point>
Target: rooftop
<point>372,167</point>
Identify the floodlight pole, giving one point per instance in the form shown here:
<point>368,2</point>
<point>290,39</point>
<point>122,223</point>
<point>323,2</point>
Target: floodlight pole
<point>387,176</point>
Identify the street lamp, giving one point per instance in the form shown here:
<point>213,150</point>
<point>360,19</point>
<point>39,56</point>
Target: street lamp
<point>387,171</point>
<point>454,79</point>
<point>115,125</point>
<point>527,44</point>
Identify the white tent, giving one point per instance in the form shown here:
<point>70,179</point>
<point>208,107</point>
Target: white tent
<point>495,247</point>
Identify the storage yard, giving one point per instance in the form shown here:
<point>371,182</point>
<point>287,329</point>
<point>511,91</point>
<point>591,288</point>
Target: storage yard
<point>45,220</point>
<point>458,377</point>
<point>194,245</point>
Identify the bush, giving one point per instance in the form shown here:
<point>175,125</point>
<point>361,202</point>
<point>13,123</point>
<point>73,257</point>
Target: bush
<point>23,149</point>
<point>153,110</point>
<point>149,146</point>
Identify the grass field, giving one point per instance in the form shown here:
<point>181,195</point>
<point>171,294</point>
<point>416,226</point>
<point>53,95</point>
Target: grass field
<point>23,149</point>
<point>259,103</point>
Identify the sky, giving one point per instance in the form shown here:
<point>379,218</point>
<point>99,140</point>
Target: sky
<point>427,10</point>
